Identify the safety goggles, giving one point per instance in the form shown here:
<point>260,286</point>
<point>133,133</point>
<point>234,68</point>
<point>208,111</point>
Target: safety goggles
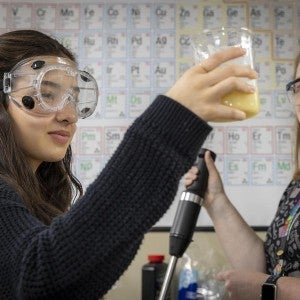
<point>45,84</point>
<point>293,89</point>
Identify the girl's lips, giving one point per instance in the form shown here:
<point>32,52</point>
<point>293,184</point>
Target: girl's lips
<point>60,137</point>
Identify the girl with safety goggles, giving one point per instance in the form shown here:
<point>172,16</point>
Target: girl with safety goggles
<point>51,249</point>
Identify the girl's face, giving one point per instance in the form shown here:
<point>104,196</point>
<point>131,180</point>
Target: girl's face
<point>44,138</point>
<point>46,95</point>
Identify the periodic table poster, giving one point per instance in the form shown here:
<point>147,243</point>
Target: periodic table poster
<point>137,49</point>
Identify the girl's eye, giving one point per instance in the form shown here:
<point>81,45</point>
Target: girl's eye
<point>47,95</point>
<point>49,98</point>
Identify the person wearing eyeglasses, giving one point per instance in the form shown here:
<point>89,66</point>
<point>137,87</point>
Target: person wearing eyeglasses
<point>51,246</point>
<point>269,269</point>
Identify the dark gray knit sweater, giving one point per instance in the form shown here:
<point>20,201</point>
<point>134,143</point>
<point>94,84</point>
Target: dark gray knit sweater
<point>82,253</point>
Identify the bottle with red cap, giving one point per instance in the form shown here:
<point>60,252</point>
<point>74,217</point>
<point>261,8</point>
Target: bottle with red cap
<point>153,274</point>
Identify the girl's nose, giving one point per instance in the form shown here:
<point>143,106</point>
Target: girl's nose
<point>67,114</point>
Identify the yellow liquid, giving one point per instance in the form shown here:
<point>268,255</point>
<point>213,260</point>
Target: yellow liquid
<point>248,103</point>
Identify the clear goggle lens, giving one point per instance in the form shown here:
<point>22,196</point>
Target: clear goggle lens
<point>51,87</point>
<point>293,89</point>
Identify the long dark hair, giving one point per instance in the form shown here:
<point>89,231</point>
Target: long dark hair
<point>48,192</point>
<point>296,174</point>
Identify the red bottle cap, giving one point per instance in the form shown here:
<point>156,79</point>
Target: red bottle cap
<point>156,258</point>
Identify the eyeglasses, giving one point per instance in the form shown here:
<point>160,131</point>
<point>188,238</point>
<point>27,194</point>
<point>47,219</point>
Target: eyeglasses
<point>45,84</point>
<point>293,89</point>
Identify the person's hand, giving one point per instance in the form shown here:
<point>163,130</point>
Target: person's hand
<point>202,87</point>
<point>244,285</point>
<point>190,176</point>
<point>215,187</point>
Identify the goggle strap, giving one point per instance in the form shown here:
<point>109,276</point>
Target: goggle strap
<point>290,84</point>
<point>7,83</point>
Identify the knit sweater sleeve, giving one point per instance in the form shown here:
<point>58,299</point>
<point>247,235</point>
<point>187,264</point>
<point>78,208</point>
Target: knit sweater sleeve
<point>82,253</point>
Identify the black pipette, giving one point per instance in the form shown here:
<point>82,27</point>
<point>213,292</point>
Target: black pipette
<point>186,218</point>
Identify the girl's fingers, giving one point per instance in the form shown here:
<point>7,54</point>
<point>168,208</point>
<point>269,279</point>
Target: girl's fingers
<point>190,176</point>
<point>220,57</point>
<point>232,84</point>
<point>229,71</point>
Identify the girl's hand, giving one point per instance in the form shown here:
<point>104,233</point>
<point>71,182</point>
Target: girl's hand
<point>190,176</point>
<point>202,87</point>
<point>214,186</point>
<point>242,284</point>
